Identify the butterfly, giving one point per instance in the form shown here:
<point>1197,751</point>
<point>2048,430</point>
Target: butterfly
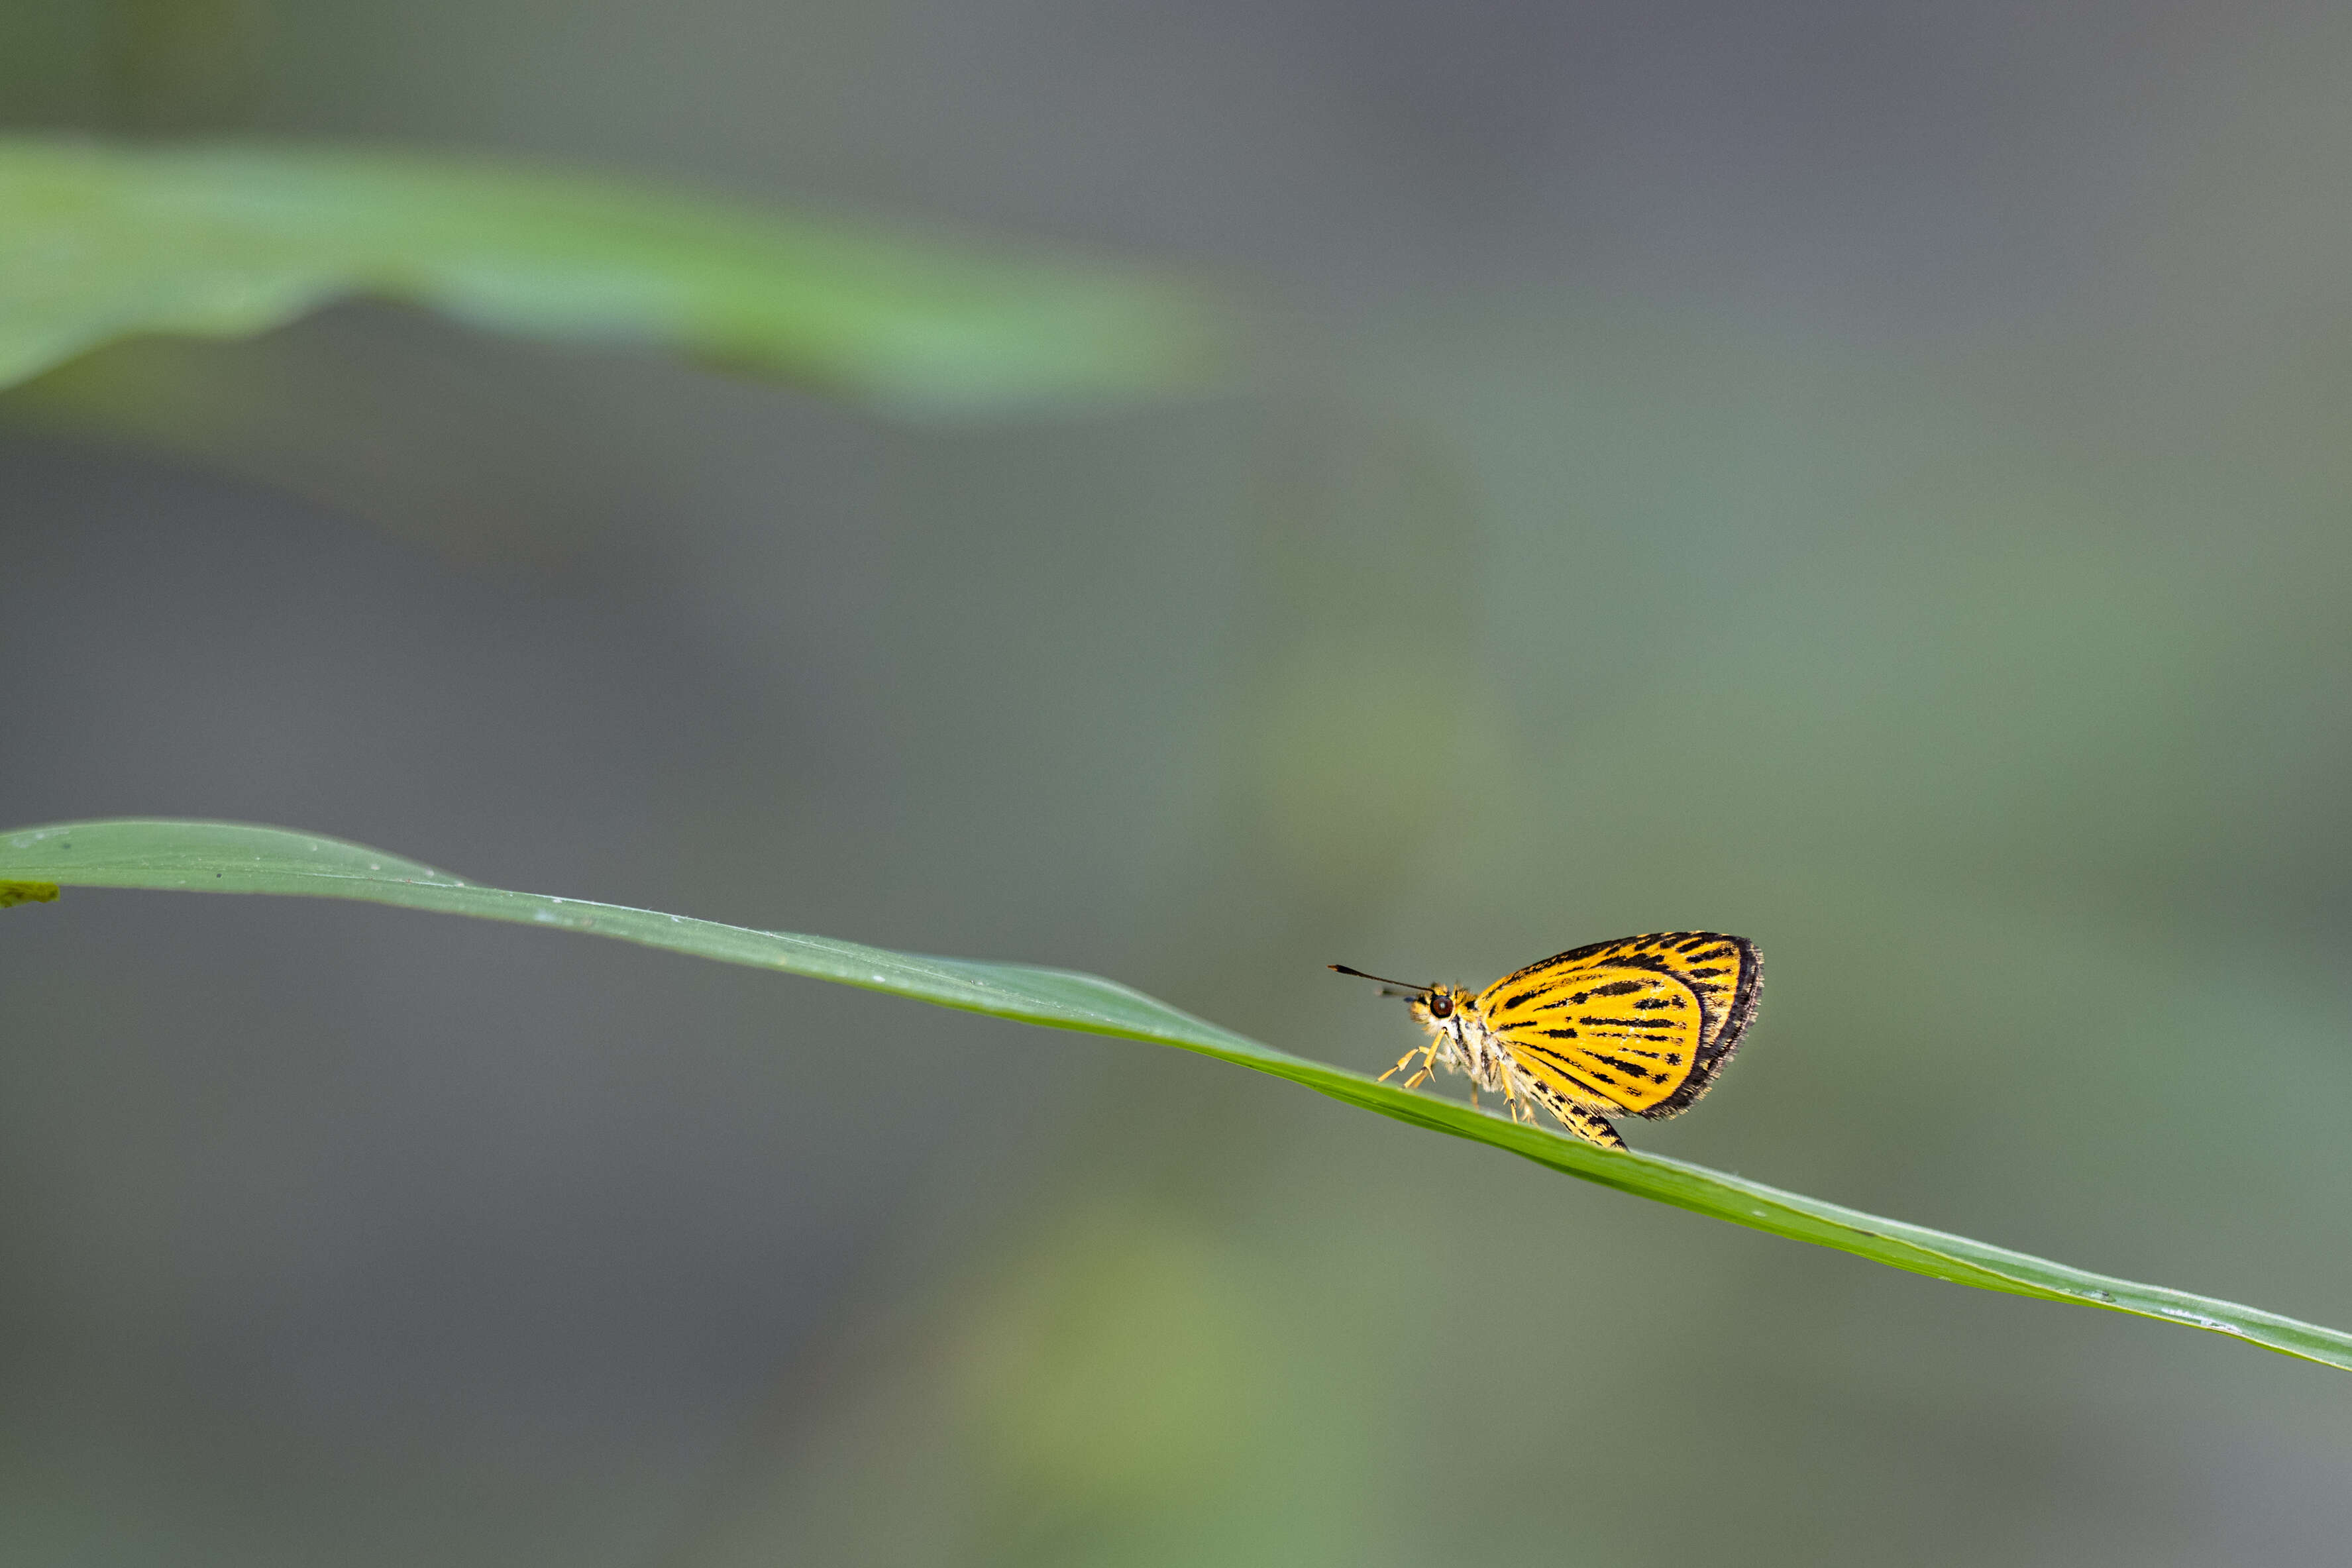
<point>1639,1026</point>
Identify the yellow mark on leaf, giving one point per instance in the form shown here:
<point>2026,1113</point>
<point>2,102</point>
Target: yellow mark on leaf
<point>12,893</point>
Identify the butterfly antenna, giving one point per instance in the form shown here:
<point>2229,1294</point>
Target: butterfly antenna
<point>1406,989</point>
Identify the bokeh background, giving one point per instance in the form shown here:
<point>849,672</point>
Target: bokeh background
<point>1874,479</point>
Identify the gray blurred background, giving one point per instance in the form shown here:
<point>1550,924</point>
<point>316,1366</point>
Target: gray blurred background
<point>1874,479</point>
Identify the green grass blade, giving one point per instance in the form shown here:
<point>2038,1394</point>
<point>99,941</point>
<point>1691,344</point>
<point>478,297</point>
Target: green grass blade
<point>99,243</point>
<point>217,857</point>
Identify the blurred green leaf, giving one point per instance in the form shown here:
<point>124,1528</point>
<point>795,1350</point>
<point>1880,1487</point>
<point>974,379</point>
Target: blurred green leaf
<point>220,857</point>
<point>99,243</point>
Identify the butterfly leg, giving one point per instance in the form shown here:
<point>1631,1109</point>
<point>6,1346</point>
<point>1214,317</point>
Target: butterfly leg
<point>1408,1056</point>
<point>1514,1102</point>
<point>1428,1054</point>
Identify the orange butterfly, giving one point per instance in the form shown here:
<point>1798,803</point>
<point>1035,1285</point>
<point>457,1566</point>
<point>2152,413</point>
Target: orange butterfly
<point>1640,1025</point>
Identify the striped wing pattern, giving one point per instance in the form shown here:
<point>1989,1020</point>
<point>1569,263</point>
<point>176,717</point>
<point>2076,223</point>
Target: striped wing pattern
<point>1576,1118</point>
<point>1640,1024</point>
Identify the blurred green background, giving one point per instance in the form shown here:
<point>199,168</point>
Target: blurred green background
<point>1875,481</point>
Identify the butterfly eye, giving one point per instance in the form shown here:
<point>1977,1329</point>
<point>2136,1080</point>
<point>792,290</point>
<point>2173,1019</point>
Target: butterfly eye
<point>1441,1006</point>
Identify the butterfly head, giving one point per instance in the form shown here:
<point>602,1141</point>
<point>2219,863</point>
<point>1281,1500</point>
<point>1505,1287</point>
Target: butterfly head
<point>1435,1006</point>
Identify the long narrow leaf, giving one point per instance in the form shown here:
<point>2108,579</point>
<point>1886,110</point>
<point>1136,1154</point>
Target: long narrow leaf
<point>216,857</point>
<point>99,243</point>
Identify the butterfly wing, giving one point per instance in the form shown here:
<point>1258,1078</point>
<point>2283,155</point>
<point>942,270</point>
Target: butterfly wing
<point>1640,1024</point>
<point>1607,1036</point>
<point>1575,1117</point>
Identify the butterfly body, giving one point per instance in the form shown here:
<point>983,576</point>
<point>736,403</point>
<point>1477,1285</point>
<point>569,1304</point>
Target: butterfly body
<point>1464,1041</point>
<point>1640,1025</point>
